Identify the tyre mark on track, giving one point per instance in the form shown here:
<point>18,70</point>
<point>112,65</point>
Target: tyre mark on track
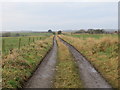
<point>90,77</point>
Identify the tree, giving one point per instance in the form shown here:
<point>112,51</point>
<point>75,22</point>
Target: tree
<point>96,31</point>
<point>90,31</point>
<point>116,32</point>
<point>50,31</point>
<point>59,32</point>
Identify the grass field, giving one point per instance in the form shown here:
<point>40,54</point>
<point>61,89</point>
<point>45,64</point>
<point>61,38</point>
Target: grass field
<point>20,64</point>
<point>102,52</point>
<point>32,34</point>
<point>66,70</point>
<point>97,36</point>
<point>9,43</point>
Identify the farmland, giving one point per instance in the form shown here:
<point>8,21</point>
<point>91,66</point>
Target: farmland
<point>97,36</point>
<point>16,34</point>
<point>20,64</point>
<point>9,43</point>
<point>101,51</point>
<point>24,54</point>
<point>61,44</point>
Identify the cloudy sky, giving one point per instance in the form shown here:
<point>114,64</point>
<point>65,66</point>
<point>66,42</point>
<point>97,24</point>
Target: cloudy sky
<point>59,15</point>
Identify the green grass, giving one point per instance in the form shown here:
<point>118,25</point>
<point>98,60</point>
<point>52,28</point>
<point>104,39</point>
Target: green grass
<point>97,36</point>
<point>18,66</point>
<point>13,42</point>
<point>32,34</point>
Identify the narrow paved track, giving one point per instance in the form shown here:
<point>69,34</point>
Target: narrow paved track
<point>90,77</point>
<point>43,76</point>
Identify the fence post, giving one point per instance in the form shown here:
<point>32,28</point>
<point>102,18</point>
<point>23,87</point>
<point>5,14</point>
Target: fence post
<point>33,39</point>
<point>19,42</point>
<point>3,45</point>
<point>29,41</point>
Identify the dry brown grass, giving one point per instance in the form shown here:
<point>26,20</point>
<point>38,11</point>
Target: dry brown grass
<point>66,71</point>
<point>102,53</point>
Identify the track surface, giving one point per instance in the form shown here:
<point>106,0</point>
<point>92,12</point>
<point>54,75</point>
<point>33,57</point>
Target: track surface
<point>90,77</point>
<point>43,76</point>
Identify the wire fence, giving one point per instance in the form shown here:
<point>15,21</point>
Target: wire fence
<point>8,44</point>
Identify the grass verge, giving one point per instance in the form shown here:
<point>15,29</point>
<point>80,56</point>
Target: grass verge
<point>18,66</point>
<point>102,53</point>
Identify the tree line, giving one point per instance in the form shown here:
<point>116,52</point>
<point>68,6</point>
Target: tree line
<point>9,34</point>
<point>95,31</point>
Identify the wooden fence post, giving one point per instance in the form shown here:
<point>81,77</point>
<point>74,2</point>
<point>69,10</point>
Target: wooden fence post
<point>33,39</point>
<point>19,42</point>
<point>29,41</point>
<point>3,45</point>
